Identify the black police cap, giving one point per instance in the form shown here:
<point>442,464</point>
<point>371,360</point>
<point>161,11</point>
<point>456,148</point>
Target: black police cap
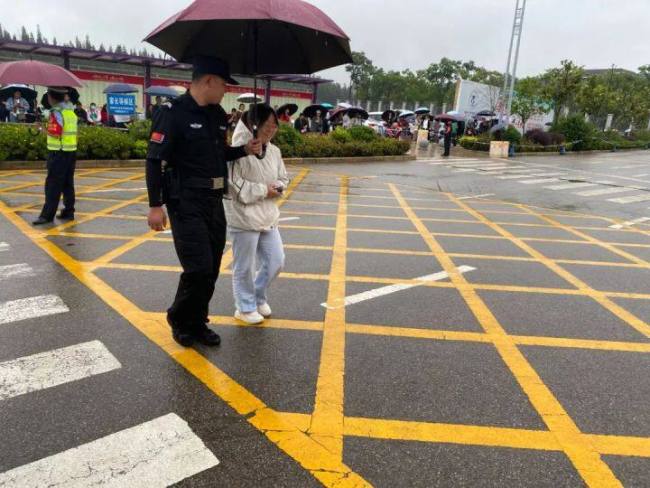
<point>208,65</point>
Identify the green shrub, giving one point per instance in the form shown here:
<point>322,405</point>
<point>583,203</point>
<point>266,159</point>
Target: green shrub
<point>140,149</point>
<point>341,135</point>
<point>104,143</point>
<point>511,134</point>
<point>576,130</point>
<point>140,130</point>
<point>362,133</point>
<point>287,137</point>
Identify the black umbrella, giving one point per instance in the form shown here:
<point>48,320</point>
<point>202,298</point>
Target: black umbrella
<point>357,112</point>
<point>26,92</point>
<point>312,109</point>
<point>120,88</point>
<point>292,107</point>
<point>485,113</point>
<point>389,116</point>
<point>74,98</point>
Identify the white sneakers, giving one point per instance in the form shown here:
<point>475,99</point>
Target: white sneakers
<point>264,310</point>
<point>252,318</point>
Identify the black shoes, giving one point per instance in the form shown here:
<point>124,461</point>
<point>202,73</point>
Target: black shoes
<point>65,216</point>
<point>42,221</point>
<point>201,334</point>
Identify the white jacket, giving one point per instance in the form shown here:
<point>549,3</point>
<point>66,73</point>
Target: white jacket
<point>248,207</point>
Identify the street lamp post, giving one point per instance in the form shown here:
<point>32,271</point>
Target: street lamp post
<point>511,76</point>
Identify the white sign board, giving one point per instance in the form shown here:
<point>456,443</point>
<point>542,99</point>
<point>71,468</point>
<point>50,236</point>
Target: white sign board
<point>472,97</point>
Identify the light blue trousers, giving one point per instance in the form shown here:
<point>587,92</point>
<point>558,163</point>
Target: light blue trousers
<point>258,258</point>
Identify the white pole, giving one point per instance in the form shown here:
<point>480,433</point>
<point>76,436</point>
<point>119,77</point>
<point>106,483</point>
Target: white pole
<point>514,69</point>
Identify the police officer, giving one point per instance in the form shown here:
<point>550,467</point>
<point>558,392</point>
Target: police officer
<point>186,170</point>
<point>61,159</point>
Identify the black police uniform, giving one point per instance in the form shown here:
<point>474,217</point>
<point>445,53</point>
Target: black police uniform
<point>190,142</point>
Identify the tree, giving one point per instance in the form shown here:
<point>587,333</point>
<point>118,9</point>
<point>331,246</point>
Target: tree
<point>361,72</point>
<point>54,43</point>
<point>39,36</point>
<point>561,85</point>
<point>88,44</point>
<point>527,101</point>
<point>77,42</point>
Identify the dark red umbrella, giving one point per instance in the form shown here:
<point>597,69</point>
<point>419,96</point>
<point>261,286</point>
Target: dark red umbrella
<point>255,36</point>
<point>37,73</point>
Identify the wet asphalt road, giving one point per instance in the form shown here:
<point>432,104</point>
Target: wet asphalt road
<point>485,325</point>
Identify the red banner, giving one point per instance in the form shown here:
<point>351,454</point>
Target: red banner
<point>139,80</point>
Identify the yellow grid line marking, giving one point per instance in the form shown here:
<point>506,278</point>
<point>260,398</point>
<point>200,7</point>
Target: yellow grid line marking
<point>327,419</point>
<point>599,296</point>
<point>587,462</point>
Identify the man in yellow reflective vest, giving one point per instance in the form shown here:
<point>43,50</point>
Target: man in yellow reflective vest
<point>61,159</point>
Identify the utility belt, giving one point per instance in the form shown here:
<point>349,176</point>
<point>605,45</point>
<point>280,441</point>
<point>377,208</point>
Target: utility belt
<point>174,186</point>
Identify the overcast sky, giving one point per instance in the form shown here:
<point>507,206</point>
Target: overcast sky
<point>399,34</point>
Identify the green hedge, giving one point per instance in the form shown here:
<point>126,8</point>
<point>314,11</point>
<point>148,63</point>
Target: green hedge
<point>357,141</point>
<point>26,143</point>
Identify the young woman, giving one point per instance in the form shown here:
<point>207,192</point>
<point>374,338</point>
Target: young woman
<point>252,214</point>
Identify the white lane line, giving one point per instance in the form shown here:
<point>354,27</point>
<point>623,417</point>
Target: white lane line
<point>4,246</point>
<point>154,454</point>
<point>570,186</point>
<point>477,196</point>
<point>641,175</point>
<point>286,219</point>
<point>629,223</point>
<point>513,177</point>
<point>454,160</point>
<point>538,181</point>
<point>53,368</point>
<point>465,170</point>
<point>604,191</point>
<point>387,290</point>
<point>632,199</point>
<point>10,271</point>
<point>29,308</point>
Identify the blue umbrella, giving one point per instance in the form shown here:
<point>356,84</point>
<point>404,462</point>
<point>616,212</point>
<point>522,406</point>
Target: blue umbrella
<point>327,105</point>
<point>121,88</point>
<point>161,91</point>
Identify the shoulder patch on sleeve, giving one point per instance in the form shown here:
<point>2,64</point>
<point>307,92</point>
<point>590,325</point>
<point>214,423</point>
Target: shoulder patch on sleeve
<point>157,137</point>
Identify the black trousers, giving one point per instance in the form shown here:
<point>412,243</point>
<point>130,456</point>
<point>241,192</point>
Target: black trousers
<point>199,231</point>
<point>447,145</point>
<point>59,180</point>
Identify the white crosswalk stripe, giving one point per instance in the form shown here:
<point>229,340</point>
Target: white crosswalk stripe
<point>4,246</point>
<point>604,191</point>
<point>53,368</point>
<point>465,170</point>
<point>513,177</point>
<point>631,199</point>
<point>570,186</point>
<point>11,271</point>
<point>630,223</point>
<point>154,454</point>
<point>29,308</point>
<point>538,181</point>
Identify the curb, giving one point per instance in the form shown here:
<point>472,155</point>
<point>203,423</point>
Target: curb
<point>139,163</point>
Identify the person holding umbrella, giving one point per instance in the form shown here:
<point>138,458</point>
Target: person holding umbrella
<point>17,106</point>
<point>61,159</point>
<point>448,133</point>
<point>189,135</point>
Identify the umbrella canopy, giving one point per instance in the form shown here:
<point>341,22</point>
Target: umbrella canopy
<point>357,112</point>
<point>291,107</point>
<point>36,73</point>
<point>120,88</point>
<point>422,111</point>
<point>485,113</point>
<point>74,98</point>
<point>312,109</point>
<point>271,37</point>
<point>26,92</point>
<point>328,106</point>
<point>249,98</point>
<point>446,117</point>
<point>162,91</point>
<point>389,115</point>
<point>344,105</point>
<point>406,113</point>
